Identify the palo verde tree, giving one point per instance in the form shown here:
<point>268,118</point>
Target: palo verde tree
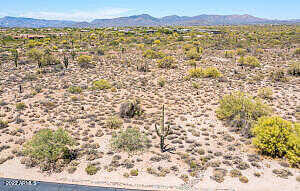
<point>36,55</point>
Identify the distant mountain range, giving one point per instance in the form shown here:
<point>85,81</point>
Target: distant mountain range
<point>143,20</point>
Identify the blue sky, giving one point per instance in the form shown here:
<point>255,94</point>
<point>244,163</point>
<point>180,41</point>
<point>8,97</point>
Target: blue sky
<point>87,10</point>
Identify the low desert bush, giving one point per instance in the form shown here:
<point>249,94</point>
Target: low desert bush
<point>204,73</point>
<point>196,73</point>
<point>85,61</point>
<point>294,69</point>
<point>241,52</point>
<point>212,72</point>
<point>278,76</point>
<point>241,110</point>
<point>265,93</point>
<point>297,51</point>
<point>134,172</point>
<point>131,140</point>
<point>277,137</point>
<point>131,108</point>
<point>187,47</point>
<point>167,62</point>
<point>3,124</point>
<point>101,84</point>
<point>114,122</point>
<point>91,169</point>
<point>75,89</point>
<point>192,54</point>
<point>152,54</point>
<point>249,61</point>
<point>20,106</point>
<point>161,82</point>
<point>229,54</point>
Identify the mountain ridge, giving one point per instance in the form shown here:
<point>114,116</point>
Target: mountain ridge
<point>144,20</point>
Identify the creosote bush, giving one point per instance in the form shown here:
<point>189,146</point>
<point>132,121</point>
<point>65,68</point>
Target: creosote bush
<point>20,106</point>
<point>152,54</point>
<point>249,61</point>
<point>265,93</point>
<point>229,54</point>
<point>114,122</point>
<point>91,169</point>
<point>294,69</point>
<point>3,124</point>
<point>297,51</point>
<point>167,62</point>
<point>48,145</point>
<point>101,84</point>
<point>131,140</point>
<point>85,61</point>
<point>277,137</point>
<point>279,76</point>
<point>204,73</point>
<point>75,89</point>
<point>192,54</point>
<point>161,82</point>
<point>241,110</point>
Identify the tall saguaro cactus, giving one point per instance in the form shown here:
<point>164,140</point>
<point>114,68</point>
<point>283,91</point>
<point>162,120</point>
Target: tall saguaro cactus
<point>163,132</point>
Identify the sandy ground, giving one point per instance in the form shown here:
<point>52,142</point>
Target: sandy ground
<point>267,182</point>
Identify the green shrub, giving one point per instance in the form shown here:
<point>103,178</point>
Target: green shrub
<point>134,172</point>
<point>294,69</point>
<point>204,73</point>
<point>187,47</point>
<point>277,137</point>
<point>84,59</point>
<point>3,124</point>
<point>195,85</point>
<point>229,54</point>
<point>196,73</point>
<point>130,140</point>
<point>193,54</point>
<point>161,82</point>
<point>114,122</point>
<point>101,84</point>
<point>241,52</point>
<point>265,93</point>
<point>297,51</point>
<point>75,89</point>
<point>241,110</point>
<point>249,61</point>
<point>91,169</point>
<point>259,51</point>
<point>152,54</point>
<point>49,145</point>
<point>100,51</point>
<point>167,62</point>
<point>20,106</point>
<point>212,72</point>
<point>278,76</point>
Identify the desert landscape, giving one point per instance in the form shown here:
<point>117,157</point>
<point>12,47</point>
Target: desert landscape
<point>152,108</point>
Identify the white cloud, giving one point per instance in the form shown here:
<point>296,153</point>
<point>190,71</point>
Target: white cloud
<point>77,15</point>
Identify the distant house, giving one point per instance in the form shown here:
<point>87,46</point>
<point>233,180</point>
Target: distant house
<point>151,31</point>
<point>211,31</point>
<point>184,30</point>
<point>29,36</point>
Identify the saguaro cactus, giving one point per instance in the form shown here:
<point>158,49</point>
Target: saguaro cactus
<point>163,132</point>
<point>66,61</point>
